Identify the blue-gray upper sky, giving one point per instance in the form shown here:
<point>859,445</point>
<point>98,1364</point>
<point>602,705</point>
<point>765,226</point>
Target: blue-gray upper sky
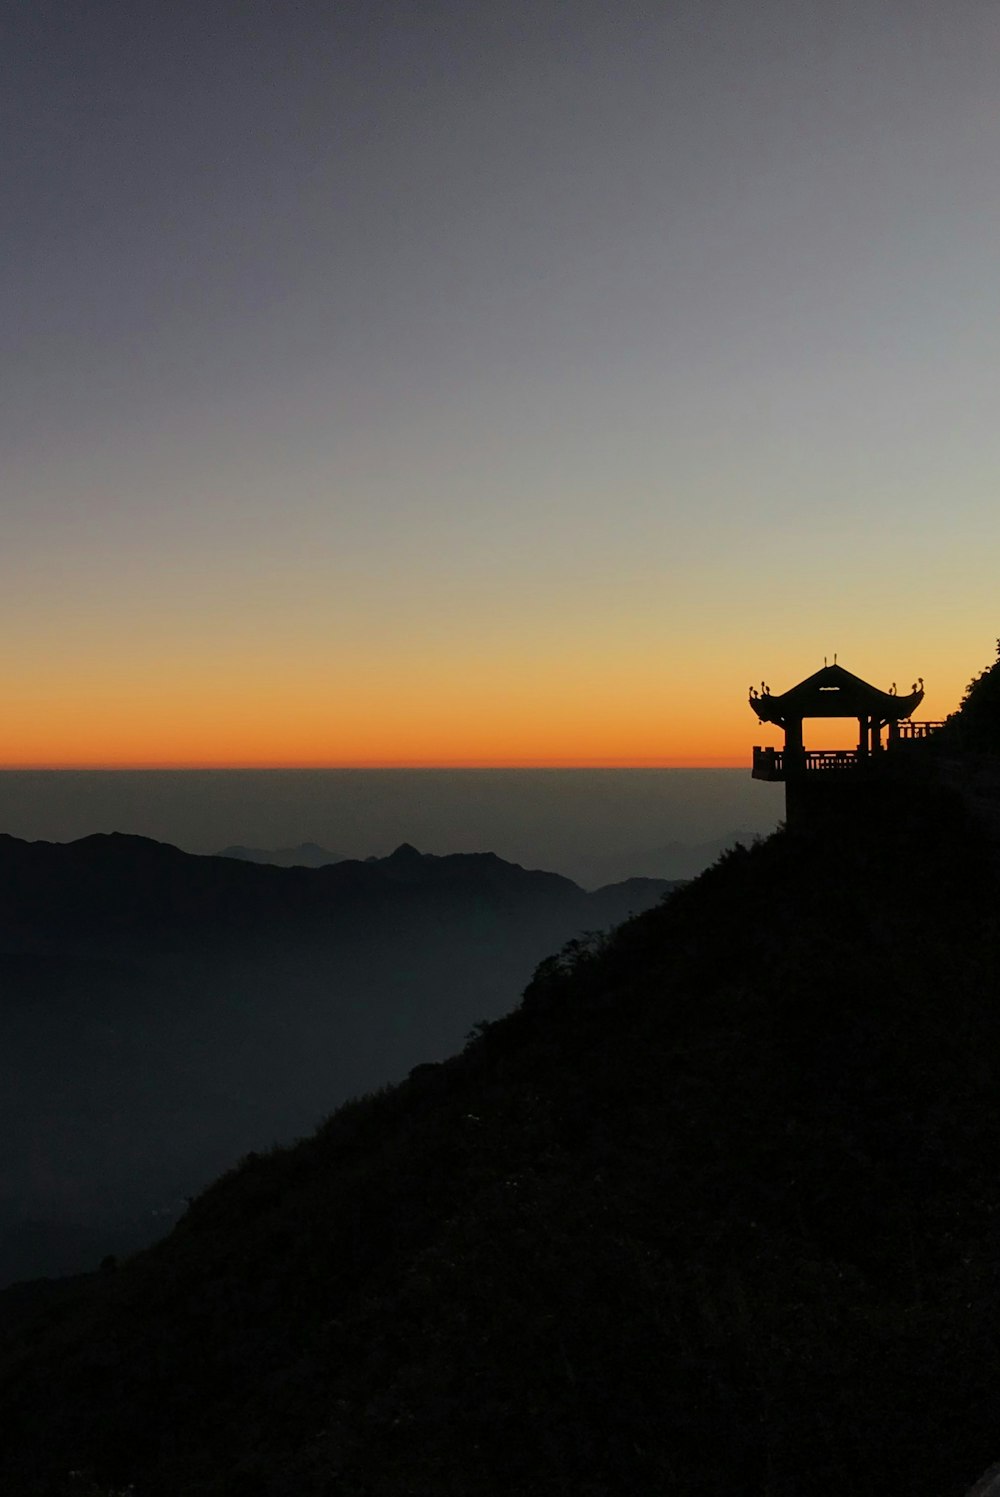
<point>447,382</point>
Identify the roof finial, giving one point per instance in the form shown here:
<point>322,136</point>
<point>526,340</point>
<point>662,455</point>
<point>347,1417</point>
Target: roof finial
<point>824,661</point>
<point>835,657</point>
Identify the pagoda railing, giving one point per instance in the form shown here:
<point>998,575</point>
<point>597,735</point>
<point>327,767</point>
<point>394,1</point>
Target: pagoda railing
<point>768,764</point>
<point>909,730</point>
<point>831,759</point>
<point>772,764</point>
<point>777,764</point>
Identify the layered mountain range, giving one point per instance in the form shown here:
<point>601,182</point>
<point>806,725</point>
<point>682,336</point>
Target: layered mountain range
<point>164,1013</point>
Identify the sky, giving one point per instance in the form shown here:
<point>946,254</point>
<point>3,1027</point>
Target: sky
<point>452,384</point>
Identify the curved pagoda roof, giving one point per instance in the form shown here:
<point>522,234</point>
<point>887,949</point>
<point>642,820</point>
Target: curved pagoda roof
<point>834,692</point>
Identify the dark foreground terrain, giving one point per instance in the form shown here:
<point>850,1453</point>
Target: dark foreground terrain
<point>715,1210</point>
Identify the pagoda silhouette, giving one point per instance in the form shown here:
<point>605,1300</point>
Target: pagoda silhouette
<point>821,781</point>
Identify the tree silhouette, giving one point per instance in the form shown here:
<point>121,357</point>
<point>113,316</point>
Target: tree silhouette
<point>976,724</point>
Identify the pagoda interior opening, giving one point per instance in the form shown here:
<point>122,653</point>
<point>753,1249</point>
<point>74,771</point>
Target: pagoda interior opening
<point>834,733</point>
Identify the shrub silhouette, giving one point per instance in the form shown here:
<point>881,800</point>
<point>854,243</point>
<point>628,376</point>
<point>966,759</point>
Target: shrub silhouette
<point>976,724</point>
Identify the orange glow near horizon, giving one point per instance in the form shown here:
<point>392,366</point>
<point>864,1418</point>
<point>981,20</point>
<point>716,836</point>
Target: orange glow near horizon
<point>614,704</point>
<point>410,751</point>
<point>378,723</point>
<point>112,765</point>
<point>108,745</point>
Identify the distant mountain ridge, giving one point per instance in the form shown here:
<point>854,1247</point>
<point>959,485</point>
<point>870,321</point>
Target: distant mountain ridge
<point>163,1012</point>
<point>673,861</point>
<point>305,855</point>
<point>50,891</point>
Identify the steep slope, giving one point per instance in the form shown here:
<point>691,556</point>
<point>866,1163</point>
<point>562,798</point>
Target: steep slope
<point>715,1210</point>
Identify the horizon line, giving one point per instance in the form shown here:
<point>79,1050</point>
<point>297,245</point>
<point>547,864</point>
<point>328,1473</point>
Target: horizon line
<point>160,766</point>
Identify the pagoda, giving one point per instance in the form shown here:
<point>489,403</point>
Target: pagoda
<point>818,779</point>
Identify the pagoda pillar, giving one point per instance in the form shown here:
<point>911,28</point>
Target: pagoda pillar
<point>794,753</point>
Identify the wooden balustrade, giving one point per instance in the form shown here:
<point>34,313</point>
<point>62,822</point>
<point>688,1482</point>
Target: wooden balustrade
<point>776,764</point>
<point>909,730</point>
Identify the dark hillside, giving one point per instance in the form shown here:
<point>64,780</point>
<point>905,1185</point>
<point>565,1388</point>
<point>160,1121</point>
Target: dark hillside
<point>715,1211</point>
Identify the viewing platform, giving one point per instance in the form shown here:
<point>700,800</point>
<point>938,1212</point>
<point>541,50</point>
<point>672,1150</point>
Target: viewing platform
<point>779,764</point>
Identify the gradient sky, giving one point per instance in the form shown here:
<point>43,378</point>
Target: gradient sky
<point>429,383</point>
